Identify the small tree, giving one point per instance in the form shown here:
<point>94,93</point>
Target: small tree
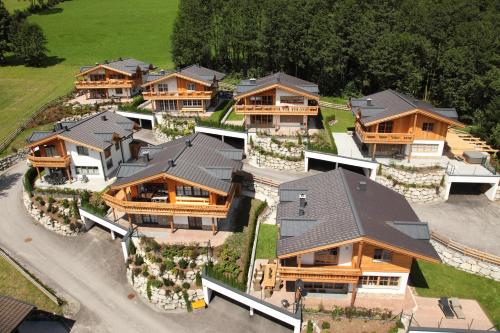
<point>28,43</point>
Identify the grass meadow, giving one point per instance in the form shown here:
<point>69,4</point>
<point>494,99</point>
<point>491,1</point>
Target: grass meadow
<point>83,32</point>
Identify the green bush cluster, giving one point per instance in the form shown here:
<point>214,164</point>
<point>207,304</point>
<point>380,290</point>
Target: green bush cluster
<point>93,203</point>
<point>359,312</point>
<point>214,124</point>
<point>29,179</point>
<point>185,295</point>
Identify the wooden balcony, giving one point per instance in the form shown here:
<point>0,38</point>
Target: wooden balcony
<point>387,138</point>
<point>277,110</point>
<point>183,206</point>
<point>175,95</point>
<point>333,274</point>
<point>49,162</point>
<point>111,83</point>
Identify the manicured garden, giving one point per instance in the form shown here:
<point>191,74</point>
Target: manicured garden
<point>341,120</point>
<point>266,241</point>
<point>82,33</point>
<point>14,284</point>
<point>334,99</point>
<point>438,280</point>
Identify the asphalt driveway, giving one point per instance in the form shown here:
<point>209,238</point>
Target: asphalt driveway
<point>89,272</point>
<point>472,220</point>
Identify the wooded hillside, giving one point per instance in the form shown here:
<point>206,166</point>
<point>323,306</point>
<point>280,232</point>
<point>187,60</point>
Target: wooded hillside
<point>445,51</point>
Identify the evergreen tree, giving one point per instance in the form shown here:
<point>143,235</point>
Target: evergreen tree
<point>4,30</point>
<point>28,43</point>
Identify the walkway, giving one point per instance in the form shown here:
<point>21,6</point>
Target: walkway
<point>147,136</point>
<point>88,271</point>
<point>346,146</point>
<point>278,176</point>
<point>471,220</point>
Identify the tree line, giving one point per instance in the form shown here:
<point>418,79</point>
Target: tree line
<point>24,40</point>
<point>444,51</point>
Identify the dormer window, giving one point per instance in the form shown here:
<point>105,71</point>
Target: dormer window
<point>427,127</point>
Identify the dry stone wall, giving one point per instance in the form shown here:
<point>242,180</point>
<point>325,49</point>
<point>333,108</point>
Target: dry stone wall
<point>276,154</point>
<point>466,263</point>
<point>12,159</point>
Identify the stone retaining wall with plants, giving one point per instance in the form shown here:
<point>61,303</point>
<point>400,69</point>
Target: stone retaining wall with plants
<point>274,153</point>
<point>12,159</point>
<point>171,128</point>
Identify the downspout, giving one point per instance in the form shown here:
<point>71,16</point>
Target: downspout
<point>102,165</point>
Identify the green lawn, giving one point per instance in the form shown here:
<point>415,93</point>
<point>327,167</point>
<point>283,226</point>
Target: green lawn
<point>14,284</point>
<point>345,119</point>
<point>234,116</point>
<point>12,5</point>
<point>83,32</point>
<point>437,280</point>
<point>334,99</point>
<point>266,242</point>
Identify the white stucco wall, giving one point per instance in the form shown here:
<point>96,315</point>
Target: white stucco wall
<point>280,92</point>
<point>206,221</point>
<point>93,159</point>
<point>308,259</point>
<point>403,280</point>
<point>116,156</point>
<point>172,84</point>
<point>345,255</point>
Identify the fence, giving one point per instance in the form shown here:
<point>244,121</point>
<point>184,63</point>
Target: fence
<point>25,124</point>
<point>30,278</point>
<point>468,251</point>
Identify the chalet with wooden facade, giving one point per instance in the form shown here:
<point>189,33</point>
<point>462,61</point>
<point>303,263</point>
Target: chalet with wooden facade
<point>93,147</point>
<point>277,101</point>
<point>341,232</point>
<point>391,124</point>
<point>187,183</point>
<point>118,79</point>
<point>191,89</point>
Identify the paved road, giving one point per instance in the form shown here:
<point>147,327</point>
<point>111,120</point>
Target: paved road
<point>89,272</point>
<point>472,220</point>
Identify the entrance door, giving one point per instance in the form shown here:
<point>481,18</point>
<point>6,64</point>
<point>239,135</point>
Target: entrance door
<point>194,222</point>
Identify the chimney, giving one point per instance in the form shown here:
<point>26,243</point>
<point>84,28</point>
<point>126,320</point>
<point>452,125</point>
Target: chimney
<point>361,186</point>
<point>170,163</point>
<point>253,80</point>
<point>162,72</point>
<point>369,102</point>
<point>302,204</point>
<point>66,128</point>
<point>103,117</point>
<point>188,143</point>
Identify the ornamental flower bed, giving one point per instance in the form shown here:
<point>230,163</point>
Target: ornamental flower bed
<point>168,276</point>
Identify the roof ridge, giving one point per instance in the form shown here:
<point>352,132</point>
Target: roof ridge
<point>181,151</point>
<point>351,202</point>
<point>77,123</point>
<point>403,97</point>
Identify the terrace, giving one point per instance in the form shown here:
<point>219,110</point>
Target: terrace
<point>276,110</point>
<point>188,94</point>
<point>386,138</point>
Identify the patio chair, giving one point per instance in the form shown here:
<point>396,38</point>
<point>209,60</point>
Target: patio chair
<point>277,285</point>
<point>256,286</point>
<point>457,308</point>
<point>268,293</point>
<point>444,304</point>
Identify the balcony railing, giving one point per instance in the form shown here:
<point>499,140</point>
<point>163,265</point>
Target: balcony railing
<point>278,110</point>
<point>49,162</point>
<point>111,83</point>
<point>317,274</point>
<point>173,95</point>
<point>182,207</point>
<point>372,137</point>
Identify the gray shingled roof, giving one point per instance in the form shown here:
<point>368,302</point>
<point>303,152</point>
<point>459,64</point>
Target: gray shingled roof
<point>12,313</point>
<point>293,82</point>
<point>389,103</point>
<point>202,162</point>
<point>127,65</point>
<point>339,211</point>
<point>196,72</point>
<point>93,131</point>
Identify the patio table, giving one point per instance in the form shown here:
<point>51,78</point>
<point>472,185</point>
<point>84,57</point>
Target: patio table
<point>270,275</point>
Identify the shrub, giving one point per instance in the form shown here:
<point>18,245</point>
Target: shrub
<point>148,289</point>
<point>156,283</point>
<point>186,285</point>
<point>29,179</point>
<point>169,265</point>
<point>51,200</point>
<point>183,264</point>
<point>131,248</point>
<point>136,271</point>
<point>177,289</point>
<point>189,307</point>
<point>181,275</point>
<point>72,227</point>
<point>168,282</point>
<point>65,203</point>
<point>66,219</point>
<point>309,328</point>
<point>139,260</point>
<point>145,272</point>
<point>198,280</point>
<point>192,265</point>
<point>325,325</point>
<point>42,202</point>
<point>74,209</point>
<point>49,208</point>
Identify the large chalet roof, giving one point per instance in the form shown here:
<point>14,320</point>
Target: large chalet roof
<point>250,85</point>
<point>198,158</point>
<point>195,72</point>
<point>96,131</point>
<point>12,313</point>
<point>125,65</point>
<point>389,103</point>
<point>339,209</point>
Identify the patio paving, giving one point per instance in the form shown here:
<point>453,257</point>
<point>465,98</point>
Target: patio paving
<point>346,146</point>
<point>95,185</point>
<point>429,314</point>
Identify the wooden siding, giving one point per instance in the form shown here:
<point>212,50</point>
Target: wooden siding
<point>182,85</point>
<point>399,262</point>
<point>61,160</point>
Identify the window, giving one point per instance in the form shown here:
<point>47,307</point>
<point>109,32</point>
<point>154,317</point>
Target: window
<point>259,120</point>
<point>84,151</point>
<point>261,100</point>
<point>162,87</point>
<point>87,170</point>
<point>189,102</point>
<point>427,127</point>
<point>109,163</point>
<point>190,191</point>
<point>118,91</point>
<point>424,148</point>
<point>152,219</point>
<point>107,152</point>
<point>190,86</point>
<point>97,77</point>
<point>166,105</point>
<point>382,281</point>
<point>382,255</point>
<point>385,127</point>
<point>116,76</point>
<point>50,151</point>
<point>117,145</point>
<point>292,99</point>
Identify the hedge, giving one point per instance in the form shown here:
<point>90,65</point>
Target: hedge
<point>214,124</point>
<point>29,180</point>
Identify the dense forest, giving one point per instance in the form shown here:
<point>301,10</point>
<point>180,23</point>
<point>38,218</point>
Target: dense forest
<point>444,51</point>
